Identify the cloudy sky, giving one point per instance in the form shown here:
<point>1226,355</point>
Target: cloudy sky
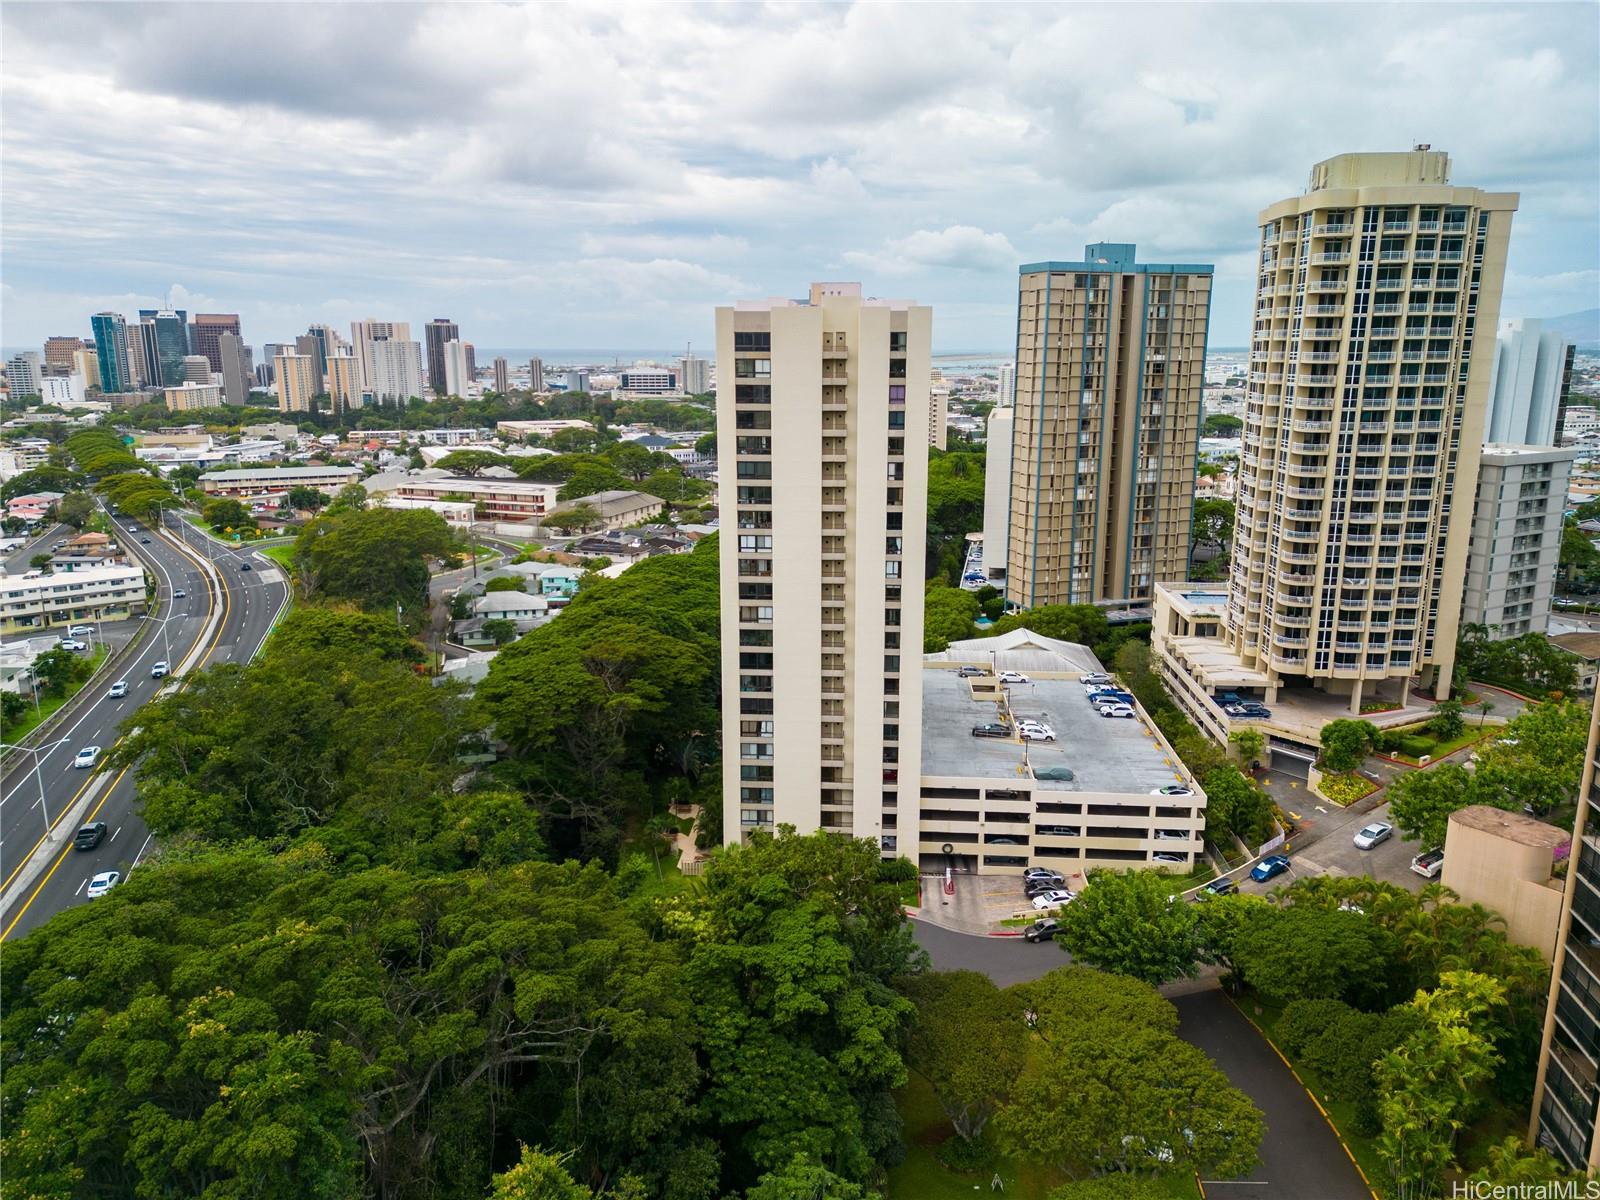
<point>601,176</point>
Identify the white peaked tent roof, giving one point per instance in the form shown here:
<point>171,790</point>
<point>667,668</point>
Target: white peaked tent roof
<point>1020,650</point>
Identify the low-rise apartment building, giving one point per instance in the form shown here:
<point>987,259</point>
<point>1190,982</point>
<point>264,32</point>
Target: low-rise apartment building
<point>1091,796</point>
<point>492,499</point>
<point>33,602</point>
<point>521,431</point>
<point>618,507</point>
<point>86,552</point>
<point>262,481</point>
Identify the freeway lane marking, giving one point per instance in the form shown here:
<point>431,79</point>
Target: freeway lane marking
<point>114,835</point>
<point>77,890</point>
<point>62,857</point>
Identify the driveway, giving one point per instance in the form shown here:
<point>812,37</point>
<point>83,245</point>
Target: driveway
<point>1006,960</point>
<point>1300,1157</point>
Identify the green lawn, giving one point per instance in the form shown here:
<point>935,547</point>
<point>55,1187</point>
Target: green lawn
<point>282,554</point>
<point>1472,733</point>
<point>922,1177</point>
<point>16,731</point>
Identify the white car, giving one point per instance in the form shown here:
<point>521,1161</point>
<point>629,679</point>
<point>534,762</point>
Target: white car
<point>1096,677</point>
<point>87,757</point>
<point>1013,677</point>
<point>80,631</point>
<point>1034,733</point>
<point>1115,710</point>
<point>1371,835</point>
<point>119,689</point>
<point>1168,858</point>
<point>103,883</point>
<point>72,644</point>
<point>1053,899</point>
<point>1428,864</point>
<point>160,669</point>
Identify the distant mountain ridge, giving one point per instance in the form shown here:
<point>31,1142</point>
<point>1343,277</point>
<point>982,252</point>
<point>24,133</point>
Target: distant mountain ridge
<point>1580,328</point>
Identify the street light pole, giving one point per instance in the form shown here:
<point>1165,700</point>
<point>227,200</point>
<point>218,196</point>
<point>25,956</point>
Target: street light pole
<point>38,775</point>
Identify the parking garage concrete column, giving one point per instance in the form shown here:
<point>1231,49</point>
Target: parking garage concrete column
<point>1355,698</point>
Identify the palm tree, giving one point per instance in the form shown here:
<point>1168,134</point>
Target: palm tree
<point>1485,707</point>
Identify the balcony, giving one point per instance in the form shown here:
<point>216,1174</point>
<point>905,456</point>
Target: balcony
<point>1332,257</point>
<point>1385,309</point>
<point>1380,356</point>
<point>1329,285</point>
<point>1332,230</point>
<point>1320,356</point>
<point>1397,227</point>
<point>1325,310</point>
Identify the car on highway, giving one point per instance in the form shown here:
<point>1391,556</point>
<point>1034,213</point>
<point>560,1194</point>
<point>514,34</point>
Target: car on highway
<point>118,690</point>
<point>991,730</point>
<point>89,836</point>
<point>1173,789</point>
<point>1013,677</point>
<point>178,593</point>
<point>246,567</point>
<point>1042,930</point>
<point>1372,834</point>
<point>103,883</point>
<point>160,669</point>
<point>87,757</point>
<point>1115,710</point>
<point>1269,867</point>
<point>1218,887</point>
<point>144,541</point>
<point>1052,899</point>
<point>1036,733</point>
<point>1054,774</point>
<point>1428,864</point>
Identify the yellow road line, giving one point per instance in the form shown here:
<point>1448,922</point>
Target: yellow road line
<point>1339,1137</point>
<point>222,624</point>
<point>61,859</point>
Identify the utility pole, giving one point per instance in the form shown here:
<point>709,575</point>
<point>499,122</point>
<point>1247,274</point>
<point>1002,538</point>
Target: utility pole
<point>38,776</point>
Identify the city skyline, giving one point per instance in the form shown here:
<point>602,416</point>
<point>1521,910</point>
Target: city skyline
<point>938,181</point>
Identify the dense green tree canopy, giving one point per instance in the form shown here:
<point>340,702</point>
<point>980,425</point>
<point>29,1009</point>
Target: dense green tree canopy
<point>947,616</point>
<point>376,558</point>
<point>966,1043</point>
<point>1123,922</point>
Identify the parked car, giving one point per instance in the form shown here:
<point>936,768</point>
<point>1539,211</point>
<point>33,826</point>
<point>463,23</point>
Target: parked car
<point>80,630</point>
<point>1372,834</point>
<point>1111,696</point>
<point>1056,774</point>
<point>1042,930</point>
<point>1115,710</point>
<point>72,644</point>
<point>1218,887</point>
<point>1428,864</point>
<point>1168,859</point>
<point>1269,867</point>
<point>1013,677</point>
<point>160,669</point>
<point>1094,677</point>
<point>1000,840</point>
<point>1061,830</point>
<point>1173,789</point>
<point>1036,733</point>
<point>1052,899</point>
<point>103,883</point>
<point>1044,873</point>
<point>118,689</point>
<point>90,836</point>
<point>1033,887</point>
<point>87,757</point>
<point>991,730</point>
<point>969,672</point>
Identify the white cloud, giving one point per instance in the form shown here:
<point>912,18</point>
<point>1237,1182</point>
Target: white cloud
<point>605,173</point>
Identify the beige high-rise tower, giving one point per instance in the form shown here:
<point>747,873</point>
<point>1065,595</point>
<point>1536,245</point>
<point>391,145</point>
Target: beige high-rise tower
<point>1376,307</point>
<point>822,417</point>
<point>1110,364</point>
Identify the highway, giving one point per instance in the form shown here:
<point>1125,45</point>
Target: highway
<point>56,875</point>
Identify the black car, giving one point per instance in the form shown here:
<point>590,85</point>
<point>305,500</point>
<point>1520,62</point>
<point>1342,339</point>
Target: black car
<point>90,836</point>
<point>998,731</point>
<point>246,567</point>
<point>1035,886</point>
<point>1042,931</point>
<point>144,541</point>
